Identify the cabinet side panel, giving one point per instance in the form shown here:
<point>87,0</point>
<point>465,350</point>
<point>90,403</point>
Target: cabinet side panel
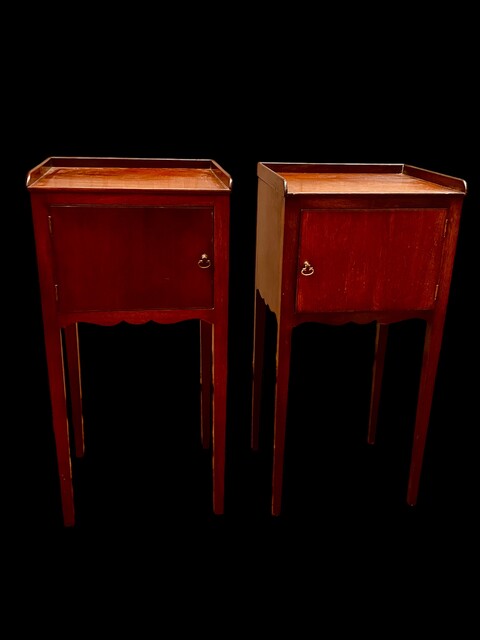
<point>270,225</point>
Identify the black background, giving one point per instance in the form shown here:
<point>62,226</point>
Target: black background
<point>274,91</point>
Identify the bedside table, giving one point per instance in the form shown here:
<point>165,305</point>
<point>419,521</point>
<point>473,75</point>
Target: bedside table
<point>132,240</point>
<point>360,243</point>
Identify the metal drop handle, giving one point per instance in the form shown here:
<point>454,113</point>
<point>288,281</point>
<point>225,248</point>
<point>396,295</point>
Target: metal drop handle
<point>307,269</point>
<point>204,262</point>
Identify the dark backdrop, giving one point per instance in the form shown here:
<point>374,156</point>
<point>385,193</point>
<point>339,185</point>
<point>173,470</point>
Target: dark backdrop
<point>258,97</point>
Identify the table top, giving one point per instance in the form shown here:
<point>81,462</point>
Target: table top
<point>128,174</point>
<point>295,178</point>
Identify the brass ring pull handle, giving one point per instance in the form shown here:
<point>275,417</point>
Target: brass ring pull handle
<point>307,269</point>
<point>204,261</point>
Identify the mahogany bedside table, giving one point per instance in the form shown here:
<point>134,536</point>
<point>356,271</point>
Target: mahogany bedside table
<point>133,240</point>
<point>360,243</point>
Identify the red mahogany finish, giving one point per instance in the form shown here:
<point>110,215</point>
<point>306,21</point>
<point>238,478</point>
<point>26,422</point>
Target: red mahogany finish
<point>134,240</point>
<point>341,243</point>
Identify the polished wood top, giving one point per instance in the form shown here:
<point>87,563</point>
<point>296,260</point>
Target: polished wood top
<point>358,183</point>
<point>128,174</point>
<point>357,179</point>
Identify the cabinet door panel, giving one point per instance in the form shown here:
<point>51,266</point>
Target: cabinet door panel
<point>127,258</point>
<point>386,259</point>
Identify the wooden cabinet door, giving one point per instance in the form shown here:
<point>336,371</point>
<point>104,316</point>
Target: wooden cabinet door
<point>372,259</point>
<point>130,257</point>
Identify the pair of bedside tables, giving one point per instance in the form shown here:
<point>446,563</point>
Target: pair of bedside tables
<point>137,240</point>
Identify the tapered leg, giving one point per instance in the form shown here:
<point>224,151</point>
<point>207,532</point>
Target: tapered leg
<point>284,336</point>
<point>257,366</point>
<point>220,353</point>
<point>75,385</point>
<point>431,354</point>
<point>56,376</point>
<point>206,347</point>
<point>378,366</point>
